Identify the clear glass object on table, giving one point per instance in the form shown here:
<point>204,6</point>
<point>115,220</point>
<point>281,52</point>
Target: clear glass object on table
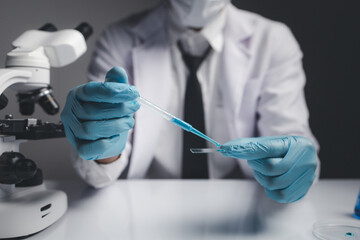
<point>205,150</point>
<point>339,229</point>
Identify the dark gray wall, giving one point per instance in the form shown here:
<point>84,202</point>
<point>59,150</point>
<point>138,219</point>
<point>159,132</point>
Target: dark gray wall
<point>327,30</point>
<point>17,16</point>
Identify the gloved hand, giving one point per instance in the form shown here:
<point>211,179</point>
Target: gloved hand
<point>97,116</point>
<point>284,165</point>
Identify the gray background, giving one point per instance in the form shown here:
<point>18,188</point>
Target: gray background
<point>327,30</point>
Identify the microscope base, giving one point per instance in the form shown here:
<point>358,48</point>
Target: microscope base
<point>30,210</point>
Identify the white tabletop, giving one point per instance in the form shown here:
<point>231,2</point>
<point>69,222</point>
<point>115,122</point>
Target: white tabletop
<point>214,209</point>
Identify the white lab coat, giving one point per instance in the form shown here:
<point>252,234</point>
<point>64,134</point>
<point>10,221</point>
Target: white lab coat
<point>263,79</point>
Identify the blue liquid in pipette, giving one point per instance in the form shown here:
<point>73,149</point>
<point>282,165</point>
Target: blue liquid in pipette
<point>187,127</point>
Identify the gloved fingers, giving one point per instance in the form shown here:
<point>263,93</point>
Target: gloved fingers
<point>281,181</point>
<point>93,130</point>
<point>101,111</point>
<point>257,148</point>
<point>300,151</point>
<point>93,150</point>
<point>109,92</point>
<point>270,183</point>
<point>295,191</point>
<point>116,74</point>
<point>270,166</point>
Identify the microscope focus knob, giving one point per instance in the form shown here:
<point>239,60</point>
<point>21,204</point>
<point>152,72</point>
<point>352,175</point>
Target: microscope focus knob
<point>14,168</point>
<point>25,169</point>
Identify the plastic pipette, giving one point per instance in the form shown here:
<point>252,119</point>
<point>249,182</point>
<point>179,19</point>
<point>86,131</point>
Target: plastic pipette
<point>177,121</point>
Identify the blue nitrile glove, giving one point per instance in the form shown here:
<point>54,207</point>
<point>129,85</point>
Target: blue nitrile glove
<point>97,116</point>
<point>284,165</point>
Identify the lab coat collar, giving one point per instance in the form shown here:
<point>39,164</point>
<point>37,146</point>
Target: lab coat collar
<point>237,25</point>
<point>234,61</point>
<point>213,32</point>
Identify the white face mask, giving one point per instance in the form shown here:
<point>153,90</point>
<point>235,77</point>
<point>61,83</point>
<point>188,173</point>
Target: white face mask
<point>196,13</point>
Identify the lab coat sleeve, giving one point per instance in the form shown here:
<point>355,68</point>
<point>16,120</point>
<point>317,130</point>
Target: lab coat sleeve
<point>282,107</point>
<point>106,55</point>
<point>101,175</point>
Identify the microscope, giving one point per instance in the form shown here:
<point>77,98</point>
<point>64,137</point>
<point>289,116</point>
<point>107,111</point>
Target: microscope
<point>26,206</point>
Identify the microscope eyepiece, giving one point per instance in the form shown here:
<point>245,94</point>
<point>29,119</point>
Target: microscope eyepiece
<point>43,96</point>
<point>85,29</point>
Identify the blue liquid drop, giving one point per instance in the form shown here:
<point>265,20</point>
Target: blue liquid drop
<point>349,234</point>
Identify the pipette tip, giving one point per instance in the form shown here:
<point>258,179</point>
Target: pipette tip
<point>200,134</point>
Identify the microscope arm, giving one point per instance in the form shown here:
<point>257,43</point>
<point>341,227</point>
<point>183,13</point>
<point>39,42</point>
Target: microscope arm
<point>9,77</point>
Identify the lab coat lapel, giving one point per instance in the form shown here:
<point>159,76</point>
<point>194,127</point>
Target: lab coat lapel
<point>152,72</point>
<point>235,60</point>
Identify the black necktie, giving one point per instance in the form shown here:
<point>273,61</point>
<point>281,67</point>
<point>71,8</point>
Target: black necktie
<point>193,165</point>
